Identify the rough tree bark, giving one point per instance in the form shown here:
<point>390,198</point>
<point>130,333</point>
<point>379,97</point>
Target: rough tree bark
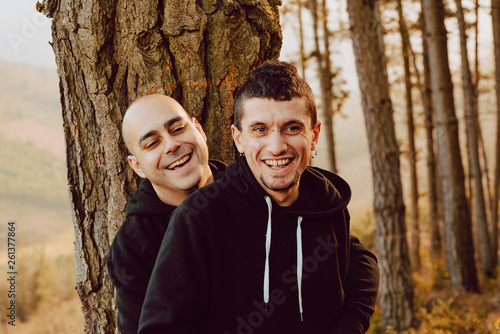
<point>412,154</point>
<point>472,125</point>
<point>495,15</point>
<point>396,285</point>
<point>458,232</point>
<point>109,53</point>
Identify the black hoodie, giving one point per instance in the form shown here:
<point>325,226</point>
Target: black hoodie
<point>210,274</point>
<point>132,254</point>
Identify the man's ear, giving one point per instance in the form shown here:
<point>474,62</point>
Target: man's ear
<point>199,128</point>
<point>237,138</point>
<point>316,130</point>
<point>134,163</point>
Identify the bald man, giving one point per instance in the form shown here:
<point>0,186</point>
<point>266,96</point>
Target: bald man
<point>168,150</point>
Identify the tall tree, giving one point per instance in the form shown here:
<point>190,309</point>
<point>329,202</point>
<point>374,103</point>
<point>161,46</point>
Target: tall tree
<point>458,232</point>
<point>301,40</point>
<point>477,78</point>
<point>109,53</point>
<point>472,124</point>
<point>412,154</point>
<point>325,78</point>
<point>396,286</point>
<point>495,16</point>
<point>426,94</point>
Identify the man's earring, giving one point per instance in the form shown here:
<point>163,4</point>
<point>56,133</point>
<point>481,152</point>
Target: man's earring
<point>315,151</point>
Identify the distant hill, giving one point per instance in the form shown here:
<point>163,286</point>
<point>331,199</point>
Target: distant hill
<point>33,186</point>
<point>29,92</point>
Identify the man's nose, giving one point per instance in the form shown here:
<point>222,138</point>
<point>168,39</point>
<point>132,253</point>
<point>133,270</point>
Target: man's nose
<point>277,144</point>
<point>171,145</point>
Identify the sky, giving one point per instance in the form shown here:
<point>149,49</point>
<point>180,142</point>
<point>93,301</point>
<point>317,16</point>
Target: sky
<point>25,34</point>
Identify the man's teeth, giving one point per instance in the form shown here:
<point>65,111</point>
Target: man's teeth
<point>178,162</point>
<point>277,162</point>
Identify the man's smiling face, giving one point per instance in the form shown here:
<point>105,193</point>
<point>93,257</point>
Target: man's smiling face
<point>168,147</point>
<point>277,138</point>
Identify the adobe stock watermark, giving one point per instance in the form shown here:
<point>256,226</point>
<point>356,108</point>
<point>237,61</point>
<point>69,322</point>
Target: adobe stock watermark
<point>29,30</point>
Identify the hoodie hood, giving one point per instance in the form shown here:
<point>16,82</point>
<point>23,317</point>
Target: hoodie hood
<point>320,192</point>
<point>144,200</point>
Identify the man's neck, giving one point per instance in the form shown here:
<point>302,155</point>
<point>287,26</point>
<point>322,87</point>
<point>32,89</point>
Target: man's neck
<point>175,198</point>
<point>284,198</point>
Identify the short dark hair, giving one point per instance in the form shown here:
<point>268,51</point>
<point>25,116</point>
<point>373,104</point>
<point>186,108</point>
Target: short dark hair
<point>277,80</point>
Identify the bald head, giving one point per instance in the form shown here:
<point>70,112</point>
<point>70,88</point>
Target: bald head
<point>167,147</point>
<point>141,116</point>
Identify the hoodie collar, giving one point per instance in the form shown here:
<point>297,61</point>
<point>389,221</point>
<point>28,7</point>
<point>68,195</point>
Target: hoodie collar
<point>320,192</point>
<point>145,201</point>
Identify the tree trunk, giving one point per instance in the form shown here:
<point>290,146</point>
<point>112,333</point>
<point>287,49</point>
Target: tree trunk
<point>109,53</point>
<point>396,286</point>
<point>486,172</point>
<point>301,40</point>
<point>472,124</point>
<point>436,238</point>
<point>324,74</point>
<point>495,15</point>
<point>458,232</point>
<point>328,112</point>
<point>426,96</point>
<point>412,155</point>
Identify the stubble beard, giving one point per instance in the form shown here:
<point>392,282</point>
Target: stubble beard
<point>268,183</point>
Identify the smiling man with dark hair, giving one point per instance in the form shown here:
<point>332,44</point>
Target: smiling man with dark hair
<point>270,252</point>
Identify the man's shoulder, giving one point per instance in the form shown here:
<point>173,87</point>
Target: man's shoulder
<point>138,231</point>
<point>211,197</point>
<point>145,202</point>
<point>217,167</point>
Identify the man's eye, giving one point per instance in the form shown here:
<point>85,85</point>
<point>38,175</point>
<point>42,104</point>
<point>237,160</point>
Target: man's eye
<point>260,129</point>
<point>292,129</point>
<point>151,144</point>
<point>178,129</point>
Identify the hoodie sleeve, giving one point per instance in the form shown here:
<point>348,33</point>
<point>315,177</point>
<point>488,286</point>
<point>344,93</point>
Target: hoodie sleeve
<point>361,289</point>
<point>129,266</point>
<point>178,289</point>
<point>130,284</point>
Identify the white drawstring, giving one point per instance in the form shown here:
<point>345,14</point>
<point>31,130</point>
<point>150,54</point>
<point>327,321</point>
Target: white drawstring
<point>299,265</point>
<point>268,249</point>
<point>299,259</point>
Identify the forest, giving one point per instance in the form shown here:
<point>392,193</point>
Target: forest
<point>424,75</point>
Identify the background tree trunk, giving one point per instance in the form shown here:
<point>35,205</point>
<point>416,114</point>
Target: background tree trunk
<point>109,53</point>
<point>460,249</point>
<point>396,286</point>
<point>472,124</point>
<point>301,40</point>
<point>495,14</point>
<point>412,154</point>
<point>324,74</point>
<point>426,96</point>
<point>328,111</point>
